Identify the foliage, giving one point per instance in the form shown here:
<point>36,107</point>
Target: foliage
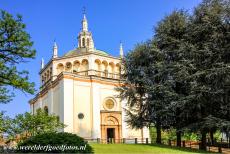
<point>152,134</point>
<point>15,48</point>
<point>169,38</point>
<point>56,139</point>
<point>4,123</point>
<point>190,136</point>
<point>181,78</point>
<point>29,124</point>
<point>149,91</point>
<point>217,135</point>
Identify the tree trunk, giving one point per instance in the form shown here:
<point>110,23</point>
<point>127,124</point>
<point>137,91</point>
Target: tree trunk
<point>178,138</point>
<point>203,141</point>
<point>158,128</point>
<point>211,137</point>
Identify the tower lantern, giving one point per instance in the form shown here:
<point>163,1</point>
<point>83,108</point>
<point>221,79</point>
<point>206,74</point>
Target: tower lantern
<point>85,38</point>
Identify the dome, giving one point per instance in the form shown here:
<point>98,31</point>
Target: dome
<point>77,51</point>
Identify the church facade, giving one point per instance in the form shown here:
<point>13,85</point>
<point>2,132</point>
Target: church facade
<point>79,87</point>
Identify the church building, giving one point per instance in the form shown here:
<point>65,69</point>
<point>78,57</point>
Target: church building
<point>79,87</point>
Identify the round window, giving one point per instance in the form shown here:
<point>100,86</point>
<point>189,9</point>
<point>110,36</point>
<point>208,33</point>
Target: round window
<point>80,116</point>
<point>109,104</point>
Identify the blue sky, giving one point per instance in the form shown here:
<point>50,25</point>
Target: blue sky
<point>111,21</point>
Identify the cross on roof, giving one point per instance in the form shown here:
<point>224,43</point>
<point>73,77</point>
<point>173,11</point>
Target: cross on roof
<point>84,10</point>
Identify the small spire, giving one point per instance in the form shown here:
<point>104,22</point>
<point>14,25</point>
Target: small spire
<point>55,50</point>
<point>42,63</point>
<point>121,50</point>
<point>84,21</point>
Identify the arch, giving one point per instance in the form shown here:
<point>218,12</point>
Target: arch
<point>84,66</point>
<point>111,120</point>
<point>111,69</point>
<point>104,68</point>
<point>97,67</point>
<point>87,42</point>
<point>105,63</point>
<point>45,77</point>
<point>117,71</point>
<point>68,67</point>
<point>118,68</point>
<point>60,68</point>
<point>48,75</point>
<point>83,42</point>
<point>51,71</point>
<point>76,66</point>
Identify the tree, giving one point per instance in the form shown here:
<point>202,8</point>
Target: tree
<point>189,81</point>
<point>197,48</point>
<point>169,38</point>
<point>147,88</point>
<point>15,48</point>
<point>28,124</point>
<point>208,36</point>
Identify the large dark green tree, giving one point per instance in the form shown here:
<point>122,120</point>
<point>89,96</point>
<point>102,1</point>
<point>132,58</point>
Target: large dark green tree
<point>169,38</point>
<point>197,52</point>
<point>183,73</point>
<point>209,38</point>
<point>15,48</point>
<point>147,88</point>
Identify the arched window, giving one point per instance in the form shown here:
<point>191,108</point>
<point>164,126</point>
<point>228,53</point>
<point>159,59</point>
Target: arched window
<point>88,42</point>
<point>104,69</point>
<point>84,66</point>
<point>46,110</point>
<point>60,68</point>
<point>83,42</point>
<point>76,66</point>
<point>51,72</point>
<point>68,67</point>
<point>48,75</point>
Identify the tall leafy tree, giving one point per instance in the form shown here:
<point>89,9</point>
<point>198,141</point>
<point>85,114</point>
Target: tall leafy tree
<point>147,88</point>
<point>170,39</point>
<point>209,35</point>
<point>15,48</point>
<point>185,69</point>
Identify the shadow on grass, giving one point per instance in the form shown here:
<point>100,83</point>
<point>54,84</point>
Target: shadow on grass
<point>185,149</point>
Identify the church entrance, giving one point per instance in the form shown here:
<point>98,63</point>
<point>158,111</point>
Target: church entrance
<point>111,127</point>
<point>110,135</point>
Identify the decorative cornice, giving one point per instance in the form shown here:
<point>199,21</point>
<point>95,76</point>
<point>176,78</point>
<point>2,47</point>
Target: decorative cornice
<point>66,75</point>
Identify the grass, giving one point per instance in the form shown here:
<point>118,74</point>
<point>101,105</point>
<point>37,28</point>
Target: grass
<point>141,149</point>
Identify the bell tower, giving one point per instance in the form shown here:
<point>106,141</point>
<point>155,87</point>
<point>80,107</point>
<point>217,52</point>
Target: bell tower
<point>85,38</point>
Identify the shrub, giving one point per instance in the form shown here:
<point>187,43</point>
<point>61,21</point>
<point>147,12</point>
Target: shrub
<point>54,143</point>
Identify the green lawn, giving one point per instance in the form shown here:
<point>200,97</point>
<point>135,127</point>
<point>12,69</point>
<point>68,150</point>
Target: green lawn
<point>140,149</point>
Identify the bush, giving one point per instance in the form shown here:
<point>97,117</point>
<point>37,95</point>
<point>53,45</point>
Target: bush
<point>54,143</point>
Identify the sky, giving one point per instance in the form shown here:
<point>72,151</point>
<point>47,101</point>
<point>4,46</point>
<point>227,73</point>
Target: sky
<point>110,21</point>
